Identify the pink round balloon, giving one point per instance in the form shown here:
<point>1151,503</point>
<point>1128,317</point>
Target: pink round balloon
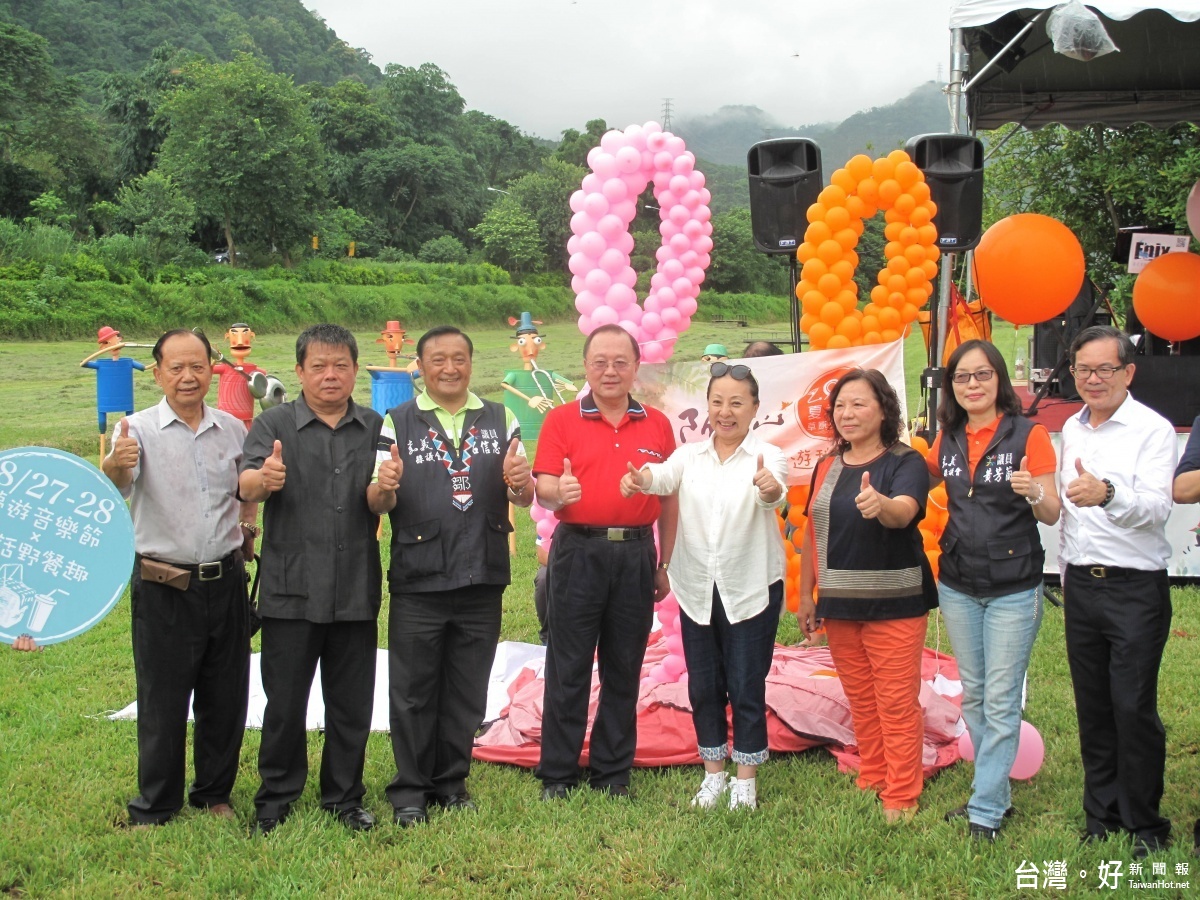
<point>651,321</point>
<point>618,297</point>
<point>629,325</point>
<point>609,227</point>
<point>577,284</point>
<point>586,325</point>
<point>612,261</point>
<point>629,160</point>
<point>591,183</point>
<point>625,210</point>
<point>679,214</point>
<point>683,288</point>
<point>582,223</point>
<point>671,267</point>
<point>664,255</point>
<point>679,185</point>
<point>696,179</point>
<point>592,244</point>
<point>587,302</point>
<point>670,317</point>
<point>651,304</point>
<point>674,666</point>
<point>580,264</point>
<point>624,243</point>
<point>612,141</point>
<point>675,644</point>
<point>615,190</point>
<point>668,229</point>
<point>687,309</point>
<point>675,145</point>
<point>605,315</point>
<point>653,351</point>
<point>691,199</point>
<point>605,166</point>
<point>680,244</point>
<point>684,163</point>
<point>1031,752</point>
<point>595,205</point>
<point>657,281</point>
<point>597,281</point>
<point>626,276</point>
<point>666,199</point>
<point>576,202</point>
<point>545,528</point>
<point>689,259</point>
<point>655,142</point>
<point>965,748</point>
<point>666,297</point>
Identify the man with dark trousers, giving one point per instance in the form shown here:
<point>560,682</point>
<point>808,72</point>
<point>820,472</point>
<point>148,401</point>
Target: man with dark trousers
<point>312,460</point>
<point>1115,471</point>
<point>449,464</point>
<point>1187,490</point>
<point>177,463</point>
<point>603,573</point>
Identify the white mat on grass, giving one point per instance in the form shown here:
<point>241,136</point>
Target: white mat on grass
<point>511,658</point>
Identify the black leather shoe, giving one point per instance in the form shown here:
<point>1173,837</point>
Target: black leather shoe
<point>619,791</point>
<point>356,819</point>
<point>461,801</point>
<point>983,833</point>
<point>410,815</point>
<point>267,825</point>
<point>556,792</point>
<point>960,812</point>
<point>1143,848</point>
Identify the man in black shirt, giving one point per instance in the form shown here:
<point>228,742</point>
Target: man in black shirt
<point>311,461</point>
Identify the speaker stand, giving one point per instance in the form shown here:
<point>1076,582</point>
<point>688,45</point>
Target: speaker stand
<point>794,279</point>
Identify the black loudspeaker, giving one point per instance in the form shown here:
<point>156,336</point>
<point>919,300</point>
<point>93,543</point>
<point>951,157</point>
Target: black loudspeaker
<point>1052,338</point>
<point>785,179</point>
<point>1169,385</point>
<point>953,167</point>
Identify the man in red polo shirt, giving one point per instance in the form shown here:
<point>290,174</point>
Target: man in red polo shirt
<point>604,574</point>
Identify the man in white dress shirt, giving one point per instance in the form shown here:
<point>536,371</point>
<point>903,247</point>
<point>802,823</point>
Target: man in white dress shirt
<point>177,463</point>
<point>1116,467</point>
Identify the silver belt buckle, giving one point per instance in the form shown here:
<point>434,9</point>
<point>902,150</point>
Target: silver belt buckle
<point>616,534</point>
<point>1098,572</point>
<point>210,571</point>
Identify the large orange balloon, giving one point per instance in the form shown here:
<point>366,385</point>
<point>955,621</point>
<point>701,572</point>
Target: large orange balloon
<point>1028,268</point>
<point>1166,296</point>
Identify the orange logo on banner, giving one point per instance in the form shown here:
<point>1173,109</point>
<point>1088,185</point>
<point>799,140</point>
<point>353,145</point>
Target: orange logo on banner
<point>811,407</point>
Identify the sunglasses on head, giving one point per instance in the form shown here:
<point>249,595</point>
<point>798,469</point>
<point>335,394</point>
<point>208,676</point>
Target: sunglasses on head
<point>737,373</point>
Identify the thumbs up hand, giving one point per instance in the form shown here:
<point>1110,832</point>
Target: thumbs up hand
<point>391,470</point>
<point>632,482</point>
<point>274,472</point>
<point>517,473</point>
<point>1022,480</point>
<point>1087,489</point>
<point>569,489</point>
<point>869,501</point>
<point>125,450</point>
<point>769,490</point>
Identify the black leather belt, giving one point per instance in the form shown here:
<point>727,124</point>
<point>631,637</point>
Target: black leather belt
<point>636,533</point>
<point>1108,571</point>
<point>209,571</point>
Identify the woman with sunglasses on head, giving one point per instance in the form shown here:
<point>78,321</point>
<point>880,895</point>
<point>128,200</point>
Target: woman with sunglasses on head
<point>863,550</point>
<point>727,573</point>
<point>999,472</point>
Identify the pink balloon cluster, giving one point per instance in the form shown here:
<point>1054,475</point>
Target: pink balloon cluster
<point>624,164</point>
<point>672,667</point>
<point>544,522</point>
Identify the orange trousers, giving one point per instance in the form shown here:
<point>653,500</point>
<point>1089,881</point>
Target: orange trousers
<point>879,663</point>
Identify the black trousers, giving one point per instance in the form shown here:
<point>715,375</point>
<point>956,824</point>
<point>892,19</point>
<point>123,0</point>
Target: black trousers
<point>189,643</point>
<point>601,603</point>
<point>1116,629</point>
<point>291,649</point>
<point>441,646</point>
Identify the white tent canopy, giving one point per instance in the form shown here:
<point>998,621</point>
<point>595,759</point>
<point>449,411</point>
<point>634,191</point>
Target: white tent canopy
<point>1155,78</point>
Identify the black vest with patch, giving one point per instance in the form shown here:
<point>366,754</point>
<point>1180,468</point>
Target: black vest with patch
<point>450,525</point>
<point>991,546</point>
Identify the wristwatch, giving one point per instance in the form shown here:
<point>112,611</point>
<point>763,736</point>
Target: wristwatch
<point>1109,492</point>
<point>664,565</point>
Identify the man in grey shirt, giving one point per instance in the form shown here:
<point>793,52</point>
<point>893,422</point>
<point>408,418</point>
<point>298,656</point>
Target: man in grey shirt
<point>311,461</point>
<point>177,463</point>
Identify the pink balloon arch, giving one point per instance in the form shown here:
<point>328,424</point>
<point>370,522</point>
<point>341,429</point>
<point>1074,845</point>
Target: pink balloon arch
<point>623,166</point>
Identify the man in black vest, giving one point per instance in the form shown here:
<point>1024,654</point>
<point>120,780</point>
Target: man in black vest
<point>453,464</point>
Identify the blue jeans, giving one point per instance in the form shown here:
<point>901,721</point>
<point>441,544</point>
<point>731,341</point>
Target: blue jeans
<point>728,666</point>
<point>993,638</point>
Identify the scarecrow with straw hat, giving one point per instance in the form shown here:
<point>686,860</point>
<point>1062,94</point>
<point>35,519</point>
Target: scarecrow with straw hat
<point>531,390</point>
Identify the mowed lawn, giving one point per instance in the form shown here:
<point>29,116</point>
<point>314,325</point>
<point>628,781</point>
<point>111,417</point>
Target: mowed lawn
<point>66,771</point>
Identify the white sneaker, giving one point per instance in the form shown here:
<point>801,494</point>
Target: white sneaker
<point>714,785</point>
<point>742,794</point>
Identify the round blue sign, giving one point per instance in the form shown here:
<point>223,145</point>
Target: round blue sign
<point>66,545</point>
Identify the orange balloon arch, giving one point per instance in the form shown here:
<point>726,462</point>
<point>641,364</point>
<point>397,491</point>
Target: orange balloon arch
<point>827,291</point>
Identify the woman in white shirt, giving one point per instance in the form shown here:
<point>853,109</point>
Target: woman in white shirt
<point>726,570</point>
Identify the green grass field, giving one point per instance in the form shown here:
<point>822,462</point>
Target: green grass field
<point>66,771</point>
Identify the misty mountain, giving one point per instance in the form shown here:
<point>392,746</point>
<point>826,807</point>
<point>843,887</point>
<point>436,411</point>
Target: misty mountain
<point>724,137</point>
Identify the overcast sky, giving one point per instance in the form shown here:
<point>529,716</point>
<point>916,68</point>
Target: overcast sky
<point>547,65</point>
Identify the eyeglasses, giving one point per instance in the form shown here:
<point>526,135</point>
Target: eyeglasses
<point>1083,373</point>
<point>602,365</point>
<point>737,373</point>
<point>981,376</point>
